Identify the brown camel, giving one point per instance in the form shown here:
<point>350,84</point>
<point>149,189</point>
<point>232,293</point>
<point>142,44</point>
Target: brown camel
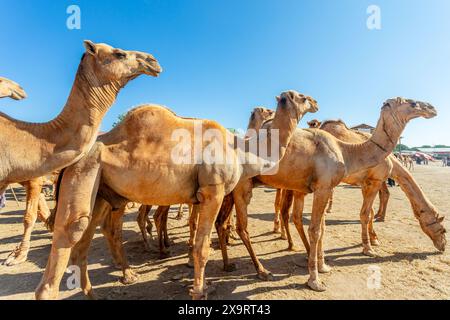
<point>141,154</point>
<point>372,181</point>
<point>33,150</point>
<point>316,162</point>
<point>35,201</point>
<point>10,89</point>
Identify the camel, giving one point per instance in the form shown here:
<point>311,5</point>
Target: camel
<point>10,89</point>
<point>35,201</point>
<point>141,154</point>
<point>278,223</point>
<point>372,181</point>
<point>34,150</point>
<point>316,162</point>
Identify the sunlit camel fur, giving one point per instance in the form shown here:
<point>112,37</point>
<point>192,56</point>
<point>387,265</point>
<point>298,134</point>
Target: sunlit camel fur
<point>316,162</point>
<point>136,157</point>
<point>32,150</point>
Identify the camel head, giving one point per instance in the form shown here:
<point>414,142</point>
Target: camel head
<point>314,124</point>
<point>403,110</point>
<point>258,116</point>
<point>110,64</point>
<point>432,225</point>
<point>11,89</point>
<point>296,104</point>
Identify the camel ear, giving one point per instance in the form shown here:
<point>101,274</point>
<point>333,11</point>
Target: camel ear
<point>441,219</point>
<point>278,98</point>
<point>91,47</point>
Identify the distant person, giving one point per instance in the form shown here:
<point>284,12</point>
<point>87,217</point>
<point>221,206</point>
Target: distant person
<point>391,182</point>
<point>2,200</point>
<point>444,161</point>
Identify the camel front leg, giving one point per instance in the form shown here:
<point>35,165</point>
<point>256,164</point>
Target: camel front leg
<point>144,226</point>
<point>297,211</point>
<point>384,195</point>
<point>210,198</point>
<point>20,253</point>
<point>330,202</point>
<point>287,199</point>
<point>315,236</point>
<point>78,190</point>
<point>242,195</point>
<point>160,217</point>
<point>369,191</point>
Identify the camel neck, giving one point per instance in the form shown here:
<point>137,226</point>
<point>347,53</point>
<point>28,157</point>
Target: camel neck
<point>87,104</point>
<point>275,140</point>
<point>370,153</point>
<point>420,204</point>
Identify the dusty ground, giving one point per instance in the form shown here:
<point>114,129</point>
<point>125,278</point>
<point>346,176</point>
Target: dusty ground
<point>410,266</point>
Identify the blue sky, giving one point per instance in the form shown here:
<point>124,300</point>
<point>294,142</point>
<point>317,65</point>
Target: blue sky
<point>222,58</point>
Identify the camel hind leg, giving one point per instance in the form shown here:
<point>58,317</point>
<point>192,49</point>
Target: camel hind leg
<point>222,227</point>
<point>210,198</point>
<point>242,195</point>
<point>297,212</point>
<point>112,230</point>
<point>160,217</point>
<point>369,191</point>
<point>277,205</point>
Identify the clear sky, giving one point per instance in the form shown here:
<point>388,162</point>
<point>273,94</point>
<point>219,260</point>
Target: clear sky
<point>222,58</point>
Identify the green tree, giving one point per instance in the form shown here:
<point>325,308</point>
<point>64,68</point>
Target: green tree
<point>119,119</point>
<point>401,147</point>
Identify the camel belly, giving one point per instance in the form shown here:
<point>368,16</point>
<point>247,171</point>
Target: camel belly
<point>156,185</point>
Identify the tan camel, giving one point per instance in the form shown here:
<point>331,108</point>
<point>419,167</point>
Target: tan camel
<point>372,181</point>
<point>33,150</point>
<point>10,89</point>
<point>316,162</point>
<point>139,155</point>
<point>278,223</point>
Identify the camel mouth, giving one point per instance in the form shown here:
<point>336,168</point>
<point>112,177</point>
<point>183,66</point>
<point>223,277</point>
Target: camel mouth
<point>18,94</point>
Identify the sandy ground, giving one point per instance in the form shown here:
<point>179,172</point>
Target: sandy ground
<point>409,267</point>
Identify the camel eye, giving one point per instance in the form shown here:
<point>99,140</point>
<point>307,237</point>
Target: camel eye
<point>120,55</point>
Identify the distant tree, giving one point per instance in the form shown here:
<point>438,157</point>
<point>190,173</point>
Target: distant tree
<point>426,147</point>
<point>119,119</point>
<point>401,147</point>
<point>441,146</point>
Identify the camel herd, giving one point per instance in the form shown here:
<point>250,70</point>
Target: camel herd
<point>99,175</point>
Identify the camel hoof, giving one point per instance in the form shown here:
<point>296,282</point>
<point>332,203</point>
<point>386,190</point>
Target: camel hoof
<point>324,268</point>
<point>90,295</point>
<point>15,258</point>
<point>198,295</point>
<point>370,253</point>
<point>230,267</point>
<point>317,285</point>
<point>265,275</point>
<point>164,255</point>
<point>375,242</point>
<point>283,237</point>
<point>129,277</point>
<point>293,248</point>
<point>378,219</point>
<point>190,264</point>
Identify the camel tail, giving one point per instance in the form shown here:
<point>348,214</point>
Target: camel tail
<point>50,222</point>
